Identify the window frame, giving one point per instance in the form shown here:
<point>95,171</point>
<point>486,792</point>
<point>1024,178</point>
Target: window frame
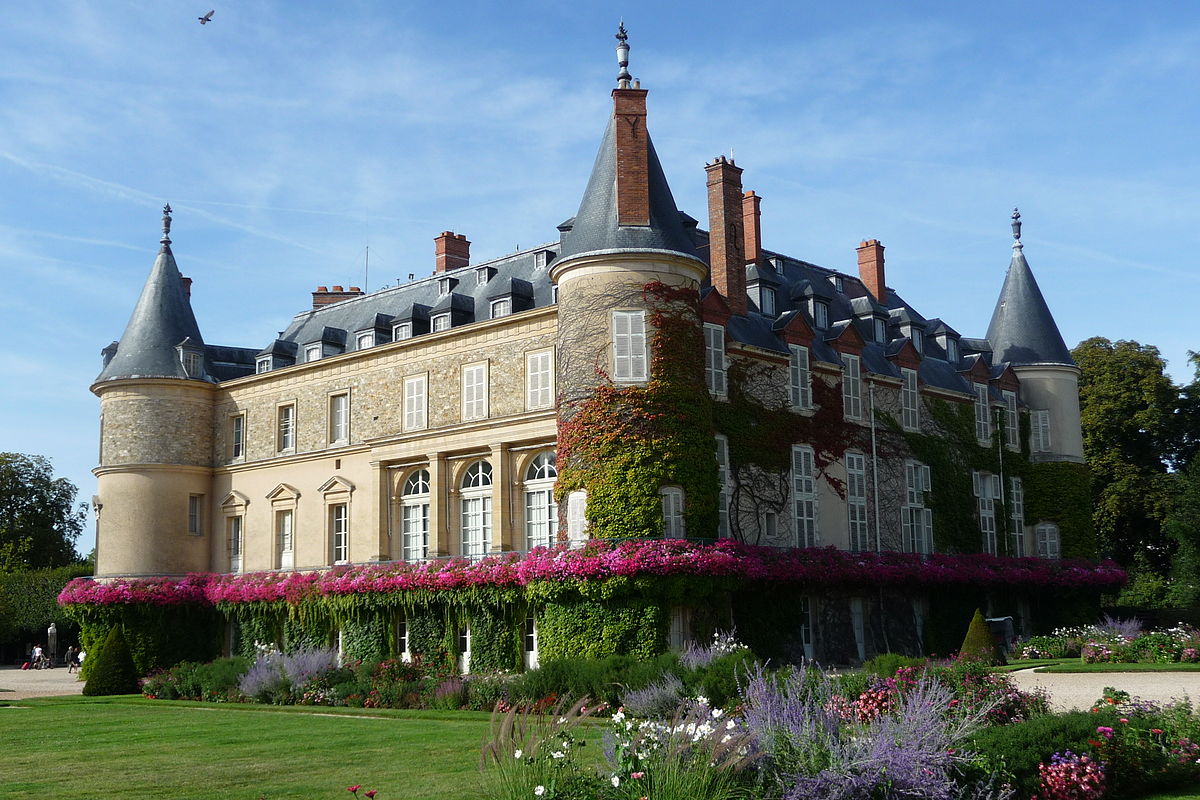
<point>402,331</point>
<point>539,381</point>
<point>235,538</point>
<point>310,350</point>
<point>338,519</point>
<point>541,528</point>
<point>285,557</point>
<point>799,378</point>
<point>1012,427</point>
<point>983,414</point>
<point>858,527</point>
<point>1039,431</point>
<point>282,436</point>
<point>724,524</point>
<point>339,418</point>
<point>1047,534</point>
<point>237,436</point>
<point>500,307</point>
<point>629,360</point>
<point>804,495</point>
<point>1016,515</point>
<point>910,400</point>
<point>674,521</point>
<point>852,387</point>
<point>440,322</point>
<point>475,506</point>
<point>416,403</point>
<point>916,519</point>
<point>414,508</point>
<point>474,391</point>
<point>195,515</point>
<point>714,359</point>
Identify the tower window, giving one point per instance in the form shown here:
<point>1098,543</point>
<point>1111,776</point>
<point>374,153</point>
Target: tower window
<point>629,345</point>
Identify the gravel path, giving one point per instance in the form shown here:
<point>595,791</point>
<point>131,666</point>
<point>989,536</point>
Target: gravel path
<point>1078,690</point>
<point>17,684</point>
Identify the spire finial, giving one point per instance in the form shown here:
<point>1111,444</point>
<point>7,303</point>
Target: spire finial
<point>166,225</point>
<point>623,77</point>
<point>1016,226</point>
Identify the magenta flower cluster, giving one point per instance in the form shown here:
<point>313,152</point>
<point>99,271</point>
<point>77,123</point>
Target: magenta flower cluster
<point>602,560</point>
<point>1071,777</point>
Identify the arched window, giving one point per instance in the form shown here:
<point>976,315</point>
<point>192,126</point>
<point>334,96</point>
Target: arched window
<point>414,516</point>
<point>1049,544</point>
<point>476,509</point>
<point>541,511</point>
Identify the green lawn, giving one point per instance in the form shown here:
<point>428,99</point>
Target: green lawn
<point>82,748</point>
<point>1075,665</point>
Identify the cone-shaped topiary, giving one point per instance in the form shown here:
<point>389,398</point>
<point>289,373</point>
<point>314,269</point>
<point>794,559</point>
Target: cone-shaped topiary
<point>113,671</point>
<point>979,643</point>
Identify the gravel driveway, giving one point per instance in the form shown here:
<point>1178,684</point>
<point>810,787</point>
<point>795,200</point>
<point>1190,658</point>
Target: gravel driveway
<point>17,684</point>
<point>1078,690</point>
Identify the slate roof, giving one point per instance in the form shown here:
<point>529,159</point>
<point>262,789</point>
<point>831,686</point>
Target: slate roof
<point>161,320</point>
<point>594,227</point>
<point>1022,330</point>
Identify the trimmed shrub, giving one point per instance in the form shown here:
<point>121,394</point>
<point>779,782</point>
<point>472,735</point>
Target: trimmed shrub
<point>214,682</point>
<point>885,664</point>
<point>1018,748</point>
<point>979,644</point>
<point>112,670</point>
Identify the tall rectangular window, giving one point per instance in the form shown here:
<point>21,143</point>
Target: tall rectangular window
<point>539,379</point>
<point>195,514</point>
<point>987,491</point>
<point>339,533</point>
<point>235,543</point>
<point>820,314</point>
<point>799,378</point>
<point>414,403</point>
<point>285,428</point>
<point>856,501</point>
<point>476,526</point>
<point>916,521</point>
<point>541,517</point>
<point>852,387</point>
<point>672,508</point>
<point>629,345</point>
<point>475,391</point>
<point>339,418</point>
<point>723,529</point>
<point>804,495</point>
<point>983,419</point>
<point>1011,421</point>
<point>284,539</point>
<point>577,516</point>
<point>1039,433</point>
<point>909,400</point>
<point>414,526</point>
<point>237,437</point>
<point>714,359</point>
<point>766,300</point>
<point>1016,514</point>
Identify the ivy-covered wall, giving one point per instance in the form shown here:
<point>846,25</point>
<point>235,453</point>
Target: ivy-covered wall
<point>158,636</point>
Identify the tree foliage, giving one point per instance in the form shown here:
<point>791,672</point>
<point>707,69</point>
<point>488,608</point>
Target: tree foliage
<point>1129,411</point>
<point>39,521</point>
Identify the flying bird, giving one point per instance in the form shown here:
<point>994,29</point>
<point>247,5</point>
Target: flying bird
<point>207,18</point>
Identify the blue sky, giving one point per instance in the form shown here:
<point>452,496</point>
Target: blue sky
<point>289,137</point>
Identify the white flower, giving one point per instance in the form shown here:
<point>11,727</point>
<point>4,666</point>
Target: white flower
<point>518,754</point>
<point>702,700</point>
<point>616,781</point>
<point>730,725</point>
<point>717,713</point>
<point>539,790</point>
<point>558,754</point>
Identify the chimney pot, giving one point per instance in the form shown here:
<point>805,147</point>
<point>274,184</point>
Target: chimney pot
<point>870,268</point>
<point>338,289</point>
<point>187,286</point>
<point>726,235</point>
<point>632,157</point>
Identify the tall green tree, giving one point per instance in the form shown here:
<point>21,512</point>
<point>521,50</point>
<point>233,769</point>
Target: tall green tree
<point>39,521</point>
<point>1129,410</point>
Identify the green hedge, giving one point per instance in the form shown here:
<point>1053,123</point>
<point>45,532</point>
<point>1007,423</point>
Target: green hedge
<point>29,604</point>
<point>590,629</point>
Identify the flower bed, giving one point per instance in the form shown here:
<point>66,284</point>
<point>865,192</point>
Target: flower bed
<point>603,560</point>
<point>1118,642</point>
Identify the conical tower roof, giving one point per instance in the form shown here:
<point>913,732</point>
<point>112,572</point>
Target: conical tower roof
<point>595,227</point>
<point>161,321</point>
<point>1022,330</point>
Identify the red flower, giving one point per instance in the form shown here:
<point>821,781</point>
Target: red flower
<point>370,793</point>
<point>354,789</point>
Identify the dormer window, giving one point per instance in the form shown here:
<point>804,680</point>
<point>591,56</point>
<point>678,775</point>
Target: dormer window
<point>483,275</point>
<point>193,363</point>
<point>364,340</point>
<point>837,283</point>
<point>952,350</point>
<point>917,336</point>
<point>263,365</point>
<point>402,330</point>
<point>312,352</point>
<point>766,300</point>
<point>777,263</point>
<point>501,308</point>
<point>440,322</point>
<point>881,335</point>
<point>820,314</point>
<point>446,285</point>
<point>540,259</point>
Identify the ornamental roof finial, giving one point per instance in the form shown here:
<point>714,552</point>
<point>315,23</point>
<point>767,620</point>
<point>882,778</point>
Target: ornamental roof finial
<point>166,220</point>
<point>623,77</point>
<point>1016,226</point>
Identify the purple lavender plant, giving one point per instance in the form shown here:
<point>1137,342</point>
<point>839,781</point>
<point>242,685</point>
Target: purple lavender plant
<point>264,682</point>
<point>659,700</point>
<point>1127,629</point>
<point>303,665</point>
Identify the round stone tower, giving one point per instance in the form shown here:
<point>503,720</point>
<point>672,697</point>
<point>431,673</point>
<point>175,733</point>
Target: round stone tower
<point>626,270</point>
<point>153,500</point>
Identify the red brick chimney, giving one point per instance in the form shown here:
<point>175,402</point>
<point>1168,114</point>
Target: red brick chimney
<point>726,237</point>
<point>187,286</point>
<point>633,157</point>
<point>324,296</point>
<point>451,251</point>
<point>870,269</point>
<point>752,224</point>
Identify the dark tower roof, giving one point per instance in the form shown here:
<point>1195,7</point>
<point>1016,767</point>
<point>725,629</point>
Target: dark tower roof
<point>595,227</point>
<point>1022,330</point>
<point>160,322</point>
